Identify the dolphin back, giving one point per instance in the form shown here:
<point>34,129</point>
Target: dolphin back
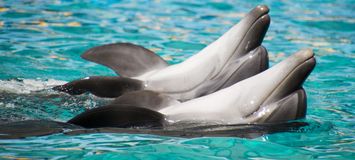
<point>122,116</point>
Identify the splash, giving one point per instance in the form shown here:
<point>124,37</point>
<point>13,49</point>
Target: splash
<point>27,99</point>
<point>27,86</point>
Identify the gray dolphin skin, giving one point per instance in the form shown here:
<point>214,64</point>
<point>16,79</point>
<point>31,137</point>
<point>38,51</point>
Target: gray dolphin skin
<point>236,55</point>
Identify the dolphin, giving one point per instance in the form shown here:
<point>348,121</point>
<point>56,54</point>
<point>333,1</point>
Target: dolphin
<point>275,95</point>
<point>234,56</point>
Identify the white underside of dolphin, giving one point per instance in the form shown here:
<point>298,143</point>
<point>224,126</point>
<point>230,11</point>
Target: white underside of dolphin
<point>206,64</point>
<point>234,56</point>
<point>187,80</point>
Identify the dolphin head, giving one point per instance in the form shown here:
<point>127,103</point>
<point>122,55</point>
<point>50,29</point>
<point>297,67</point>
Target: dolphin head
<point>285,98</point>
<point>244,36</point>
<point>293,72</point>
<point>249,57</point>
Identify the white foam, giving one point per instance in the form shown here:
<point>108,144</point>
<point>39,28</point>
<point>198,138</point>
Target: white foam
<point>26,86</point>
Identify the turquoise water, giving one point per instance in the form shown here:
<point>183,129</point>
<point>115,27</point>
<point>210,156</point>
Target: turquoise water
<point>41,42</point>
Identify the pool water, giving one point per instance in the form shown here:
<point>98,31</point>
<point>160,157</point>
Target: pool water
<point>41,42</point>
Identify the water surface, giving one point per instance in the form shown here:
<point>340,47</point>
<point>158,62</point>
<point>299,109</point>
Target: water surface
<point>41,42</point>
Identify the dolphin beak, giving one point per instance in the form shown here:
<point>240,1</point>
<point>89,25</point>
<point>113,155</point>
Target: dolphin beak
<point>259,11</point>
<point>290,74</point>
<point>283,91</point>
<point>253,28</point>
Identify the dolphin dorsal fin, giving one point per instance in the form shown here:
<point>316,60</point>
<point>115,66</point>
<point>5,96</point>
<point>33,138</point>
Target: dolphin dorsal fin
<point>126,59</point>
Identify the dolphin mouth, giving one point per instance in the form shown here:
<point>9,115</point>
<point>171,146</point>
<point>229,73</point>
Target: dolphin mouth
<point>255,34</point>
<point>260,21</point>
<point>305,63</point>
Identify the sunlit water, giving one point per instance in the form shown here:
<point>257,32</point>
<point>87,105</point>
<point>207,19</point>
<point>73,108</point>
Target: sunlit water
<point>41,42</point>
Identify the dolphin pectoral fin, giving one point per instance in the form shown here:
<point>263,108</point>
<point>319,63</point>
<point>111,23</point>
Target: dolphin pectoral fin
<point>126,59</point>
<point>146,99</point>
<point>291,107</point>
<point>256,61</point>
<point>123,116</point>
<point>101,86</point>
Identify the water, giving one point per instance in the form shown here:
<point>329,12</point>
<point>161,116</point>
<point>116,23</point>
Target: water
<point>41,42</point>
